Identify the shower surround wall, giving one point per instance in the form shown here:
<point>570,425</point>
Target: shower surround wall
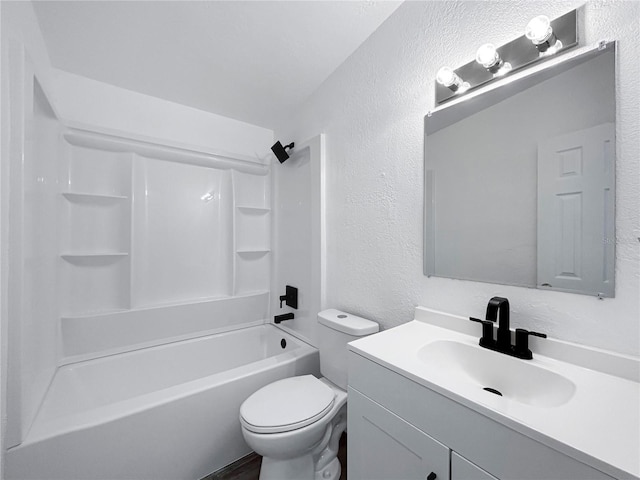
<point>135,228</point>
<point>371,110</point>
<point>158,244</point>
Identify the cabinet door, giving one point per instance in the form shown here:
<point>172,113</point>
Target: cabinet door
<point>463,469</point>
<point>382,446</point>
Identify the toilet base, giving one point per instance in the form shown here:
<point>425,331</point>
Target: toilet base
<point>273,469</point>
<point>276,469</point>
<point>330,472</point>
<point>321,463</point>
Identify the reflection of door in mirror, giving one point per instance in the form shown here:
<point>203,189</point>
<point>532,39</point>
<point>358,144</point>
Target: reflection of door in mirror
<point>520,180</point>
<point>575,176</point>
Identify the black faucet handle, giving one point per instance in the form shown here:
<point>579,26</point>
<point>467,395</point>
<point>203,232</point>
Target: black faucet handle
<point>290,297</point>
<point>525,333</point>
<point>487,331</point>
<point>479,320</point>
<point>537,334</point>
<point>522,343</point>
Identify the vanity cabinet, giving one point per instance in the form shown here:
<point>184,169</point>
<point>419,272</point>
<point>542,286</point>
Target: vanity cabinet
<point>383,446</point>
<point>463,469</point>
<point>400,429</point>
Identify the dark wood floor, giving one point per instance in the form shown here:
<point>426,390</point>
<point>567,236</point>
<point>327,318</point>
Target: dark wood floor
<point>248,468</point>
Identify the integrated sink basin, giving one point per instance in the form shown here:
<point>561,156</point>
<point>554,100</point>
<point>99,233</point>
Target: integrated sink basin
<point>497,374</point>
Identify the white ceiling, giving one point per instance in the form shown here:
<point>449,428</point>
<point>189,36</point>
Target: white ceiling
<point>249,60</point>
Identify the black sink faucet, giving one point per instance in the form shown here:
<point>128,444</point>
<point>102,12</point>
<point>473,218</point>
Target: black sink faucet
<point>498,309</point>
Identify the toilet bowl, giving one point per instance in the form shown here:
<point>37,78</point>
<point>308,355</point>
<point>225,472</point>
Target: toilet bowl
<point>296,423</point>
<point>296,443</point>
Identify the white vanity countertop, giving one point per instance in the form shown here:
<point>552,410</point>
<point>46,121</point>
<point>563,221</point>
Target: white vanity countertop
<point>599,425</point>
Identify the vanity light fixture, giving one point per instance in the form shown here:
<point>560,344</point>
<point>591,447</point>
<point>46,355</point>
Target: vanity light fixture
<point>493,61</point>
<point>488,56</point>
<point>540,32</point>
<point>451,80</point>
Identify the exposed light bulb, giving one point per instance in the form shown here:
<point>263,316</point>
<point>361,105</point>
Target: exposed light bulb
<point>450,79</point>
<point>540,32</point>
<point>487,55</point>
<point>446,76</point>
<point>538,29</point>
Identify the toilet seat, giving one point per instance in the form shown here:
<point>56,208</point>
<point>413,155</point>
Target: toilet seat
<point>287,405</point>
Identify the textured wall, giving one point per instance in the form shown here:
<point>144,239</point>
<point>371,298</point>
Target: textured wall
<point>372,110</point>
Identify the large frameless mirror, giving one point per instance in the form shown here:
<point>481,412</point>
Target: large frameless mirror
<point>520,179</point>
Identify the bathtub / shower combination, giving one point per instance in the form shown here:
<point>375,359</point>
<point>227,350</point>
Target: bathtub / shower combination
<point>132,270</point>
<point>166,412</point>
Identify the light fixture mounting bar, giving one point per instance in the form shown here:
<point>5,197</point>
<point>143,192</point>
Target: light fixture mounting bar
<point>519,53</point>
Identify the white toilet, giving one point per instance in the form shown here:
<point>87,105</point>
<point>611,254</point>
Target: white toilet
<point>296,423</point>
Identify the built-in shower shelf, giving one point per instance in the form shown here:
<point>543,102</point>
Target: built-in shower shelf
<point>253,210</point>
<point>88,315</point>
<point>253,252</point>
<point>92,197</point>
<point>92,255</point>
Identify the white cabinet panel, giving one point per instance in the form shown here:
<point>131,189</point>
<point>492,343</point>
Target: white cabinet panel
<point>382,446</point>
<point>463,469</point>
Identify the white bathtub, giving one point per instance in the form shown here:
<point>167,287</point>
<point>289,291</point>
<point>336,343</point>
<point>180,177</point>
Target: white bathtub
<point>167,412</point>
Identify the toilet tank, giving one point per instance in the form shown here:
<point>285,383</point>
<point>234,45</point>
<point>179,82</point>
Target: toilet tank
<point>335,330</point>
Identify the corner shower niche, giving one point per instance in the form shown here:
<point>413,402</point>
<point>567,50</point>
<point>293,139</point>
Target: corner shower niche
<point>252,233</point>
<point>95,233</point>
<point>157,243</point>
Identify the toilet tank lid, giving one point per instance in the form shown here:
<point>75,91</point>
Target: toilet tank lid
<point>347,323</point>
